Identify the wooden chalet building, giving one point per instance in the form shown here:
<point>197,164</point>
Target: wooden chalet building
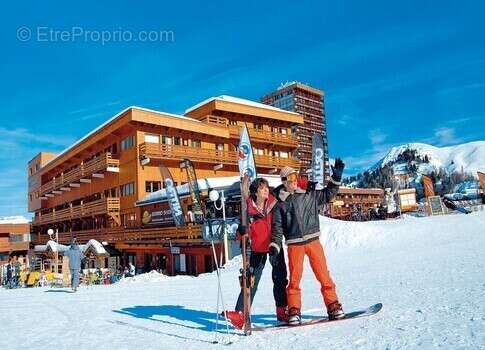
<point>90,190</point>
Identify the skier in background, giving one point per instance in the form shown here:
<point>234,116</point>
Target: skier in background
<point>296,218</point>
<point>75,257</point>
<point>260,203</point>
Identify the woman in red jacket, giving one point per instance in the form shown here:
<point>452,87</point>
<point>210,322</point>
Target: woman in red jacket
<point>260,203</point>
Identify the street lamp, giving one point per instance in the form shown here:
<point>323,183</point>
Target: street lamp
<point>214,196</point>
<point>50,232</point>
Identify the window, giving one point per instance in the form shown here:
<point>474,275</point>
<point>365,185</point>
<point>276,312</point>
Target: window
<point>113,149</point>
<point>283,154</point>
<point>152,186</point>
<point>177,141</point>
<point>220,146</point>
<point>284,131</point>
<point>186,142</point>
<point>195,143</point>
<point>232,122</point>
<point>258,126</point>
<point>128,142</point>
<point>259,151</point>
<point>128,189</point>
<point>166,140</point>
<point>150,138</point>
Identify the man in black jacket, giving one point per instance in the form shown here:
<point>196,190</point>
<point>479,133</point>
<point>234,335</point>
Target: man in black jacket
<point>296,218</point>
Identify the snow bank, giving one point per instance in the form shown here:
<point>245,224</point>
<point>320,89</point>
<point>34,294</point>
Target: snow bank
<point>149,277</point>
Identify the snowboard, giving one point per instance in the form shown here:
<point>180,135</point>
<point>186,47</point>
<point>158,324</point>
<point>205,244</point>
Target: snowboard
<point>372,310</point>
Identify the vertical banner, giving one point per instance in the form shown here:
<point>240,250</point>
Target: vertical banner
<point>317,159</point>
<point>245,156</point>
<point>481,177</point>
<point>428,186</point>
<point>194,191</point>
<point>173,197</point>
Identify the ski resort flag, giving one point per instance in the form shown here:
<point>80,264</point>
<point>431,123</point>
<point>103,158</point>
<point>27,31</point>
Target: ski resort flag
<point>245,156</point>
<point>428,186</point>
<point>317,174</point>
<point>172,196</point>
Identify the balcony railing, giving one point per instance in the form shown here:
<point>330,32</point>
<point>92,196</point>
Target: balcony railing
<point>160,151</point>
<point>265,136</point>
<point>184,234</point>
<point>255,134</point>
<point>98,207</point>
<point>105,162</point>
<point>17,246</point>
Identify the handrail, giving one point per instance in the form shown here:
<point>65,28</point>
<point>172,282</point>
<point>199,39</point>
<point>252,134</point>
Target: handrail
<point>98,207</point>
<point>121,234</point>
<point>88,168</point>
<point>161,151</point>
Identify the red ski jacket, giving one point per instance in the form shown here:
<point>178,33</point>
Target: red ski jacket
<point>260,224</point>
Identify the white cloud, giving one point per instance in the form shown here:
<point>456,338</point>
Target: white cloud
<point>445,136</point>
<point>376,137</point>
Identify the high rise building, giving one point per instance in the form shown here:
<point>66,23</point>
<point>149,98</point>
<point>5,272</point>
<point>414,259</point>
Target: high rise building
<point>308,102</point>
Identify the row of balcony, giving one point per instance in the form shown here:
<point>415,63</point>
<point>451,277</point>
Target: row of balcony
<point>184,234</point>
<point>97,165</point>
<point>102,206</point>
<point>255,134</point>
<point>162,151</point>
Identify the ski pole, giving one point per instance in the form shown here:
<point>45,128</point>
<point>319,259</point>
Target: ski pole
<point>219,291</point>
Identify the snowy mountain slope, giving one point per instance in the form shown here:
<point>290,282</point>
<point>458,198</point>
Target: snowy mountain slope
<point>427,272</point>
<point>470,156</point>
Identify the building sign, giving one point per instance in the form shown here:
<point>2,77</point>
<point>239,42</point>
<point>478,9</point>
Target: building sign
<point>158,217</point>
<point>435,205</point>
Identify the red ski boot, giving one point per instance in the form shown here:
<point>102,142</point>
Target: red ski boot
<point>282,314</point>
<point>236,318</point>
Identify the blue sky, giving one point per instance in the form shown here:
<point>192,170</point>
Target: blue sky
<point>392,73</point>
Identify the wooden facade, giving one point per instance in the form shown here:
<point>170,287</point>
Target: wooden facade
<point>348,201</point>
<point>90,189</point>
<point>14,240</point>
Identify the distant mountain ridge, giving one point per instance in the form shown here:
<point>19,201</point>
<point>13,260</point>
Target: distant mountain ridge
<point>469,156</point>
<point>404,165</point>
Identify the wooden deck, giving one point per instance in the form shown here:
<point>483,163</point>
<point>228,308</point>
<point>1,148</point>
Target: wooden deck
<point>99,207</point>
<point>187,234</point>
<point>85,170</point>
<point>161,152</point>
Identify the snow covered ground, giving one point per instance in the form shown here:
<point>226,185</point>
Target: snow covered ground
<point>428,273</point>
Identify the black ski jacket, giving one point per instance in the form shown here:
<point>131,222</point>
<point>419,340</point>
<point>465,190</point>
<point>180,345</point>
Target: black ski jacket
<point>296,215</point>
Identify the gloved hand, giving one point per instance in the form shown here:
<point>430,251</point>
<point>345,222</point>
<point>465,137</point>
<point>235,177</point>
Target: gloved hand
<point>337,169</point>
<point>311,186</point>
<point>273,255</point>
<point>242,230</point>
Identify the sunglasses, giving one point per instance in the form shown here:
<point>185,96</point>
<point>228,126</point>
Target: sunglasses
<point>291,177</point>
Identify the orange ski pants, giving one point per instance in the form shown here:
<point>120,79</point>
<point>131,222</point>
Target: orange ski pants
<point>318,263</point>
